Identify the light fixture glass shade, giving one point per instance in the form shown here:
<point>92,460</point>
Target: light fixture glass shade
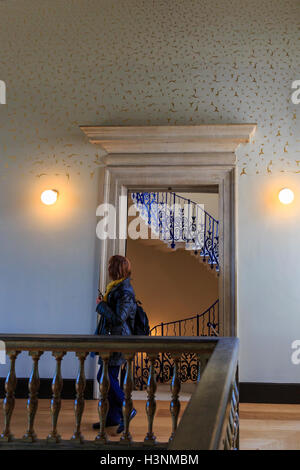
<point>286,196</point>
<point>49,197</point>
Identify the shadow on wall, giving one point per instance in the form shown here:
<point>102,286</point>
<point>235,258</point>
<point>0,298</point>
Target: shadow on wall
<point>171,284</point>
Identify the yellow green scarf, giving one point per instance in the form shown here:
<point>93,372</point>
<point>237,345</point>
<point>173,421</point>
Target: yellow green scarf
<point>110,286</point>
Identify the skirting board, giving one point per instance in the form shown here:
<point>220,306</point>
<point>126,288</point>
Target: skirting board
<point>280,393</point>
<point>250,392</point>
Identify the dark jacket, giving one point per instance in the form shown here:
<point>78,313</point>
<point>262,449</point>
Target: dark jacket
<point>117,315</point>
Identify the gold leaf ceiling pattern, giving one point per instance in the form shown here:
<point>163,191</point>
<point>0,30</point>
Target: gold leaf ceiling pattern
<point>146,62</point>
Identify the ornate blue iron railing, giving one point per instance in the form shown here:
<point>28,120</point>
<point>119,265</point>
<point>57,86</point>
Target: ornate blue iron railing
<point>204,324</point>
<point>175,220</point>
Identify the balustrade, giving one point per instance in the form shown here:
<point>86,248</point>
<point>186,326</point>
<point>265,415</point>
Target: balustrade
<point>205,324</point>
<point>207,350</point>
<point>176,220</point>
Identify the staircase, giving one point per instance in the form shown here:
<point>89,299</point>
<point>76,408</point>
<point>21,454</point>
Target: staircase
<point>180,223</point>
<point>204,324</point>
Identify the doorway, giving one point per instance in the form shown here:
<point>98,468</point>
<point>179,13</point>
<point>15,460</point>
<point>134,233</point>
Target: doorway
<point>172,243</point>
<point>119,181</point>
<point>186,159</point>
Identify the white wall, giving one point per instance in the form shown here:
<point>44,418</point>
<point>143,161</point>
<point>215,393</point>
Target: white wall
<point>269,273</point>
<point>172,285</point>
<point>139,62</point>
<point>49,264</point>
<point>210,202</point>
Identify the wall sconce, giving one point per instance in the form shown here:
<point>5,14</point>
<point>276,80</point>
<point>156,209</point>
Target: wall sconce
<point>286,196</point>
<point>49,197</point>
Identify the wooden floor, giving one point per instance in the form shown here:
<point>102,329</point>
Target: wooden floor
<point>270,427</point>
<point>261,426</point>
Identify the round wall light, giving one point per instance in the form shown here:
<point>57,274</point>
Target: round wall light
<point>286,196</point>
<point>49,197</point>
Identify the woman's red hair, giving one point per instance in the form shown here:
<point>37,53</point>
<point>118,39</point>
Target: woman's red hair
<point>119,267</point>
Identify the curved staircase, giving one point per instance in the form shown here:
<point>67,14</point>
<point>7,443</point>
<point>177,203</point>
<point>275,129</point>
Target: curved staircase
<point>204,324</point>
<point>176,222</point>
<point>180,223</point>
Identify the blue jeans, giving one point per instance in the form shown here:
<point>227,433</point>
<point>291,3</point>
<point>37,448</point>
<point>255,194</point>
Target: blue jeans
<point>115,396</point>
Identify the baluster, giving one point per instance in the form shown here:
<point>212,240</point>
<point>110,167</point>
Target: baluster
<point>166,222</point>
<point>201,222</point>
<point>142,371</point>
<point>169,218</point>
<point>236,410</point>
<point>227,445</point>
<point>79,401</point>
<point>230,427</point>
<point>149,208</point>
<point>55,406</point>
<point>151,402</point>
<point>175,219</point>
<point>135,370</point>
<point>194,233</point>
<point>172,221</point>
<point>195,227</point>
<point>162,366</point>
<point>175,403</point>
<point>209,239</point>
<point>32,403</point>
<point>189,220</point>
<point>217,247</point>
<point>212,244</point>
<point>163,216</point>
<point>198,231</point>
<point>127,403</point>
<point>9,400</point>
<point>103,405</point>
<point>205,238</point>
<point>139,356</point>
<point>236,441</point>
<point>232,420</point>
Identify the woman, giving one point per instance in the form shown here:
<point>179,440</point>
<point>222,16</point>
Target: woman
<point>117,309</point>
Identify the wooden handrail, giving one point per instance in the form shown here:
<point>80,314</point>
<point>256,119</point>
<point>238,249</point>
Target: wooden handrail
<point>206,416</point>
<point>91,343</point>
<point>214,403</point>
